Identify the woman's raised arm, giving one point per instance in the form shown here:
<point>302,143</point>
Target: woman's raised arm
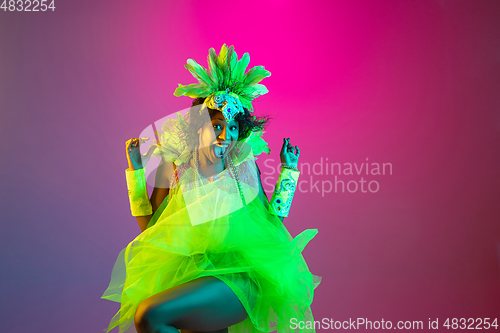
<point>163,173</point>
<point>289,157</point>
<point>263,195</point>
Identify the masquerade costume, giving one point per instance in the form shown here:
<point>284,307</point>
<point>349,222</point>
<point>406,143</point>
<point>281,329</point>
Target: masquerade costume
<point>218,226</point>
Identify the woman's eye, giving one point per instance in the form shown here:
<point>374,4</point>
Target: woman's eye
<point>218,127</point>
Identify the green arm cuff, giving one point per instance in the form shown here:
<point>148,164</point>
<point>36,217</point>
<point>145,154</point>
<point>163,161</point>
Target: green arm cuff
<point>283,192</point>
<point>138,193</point>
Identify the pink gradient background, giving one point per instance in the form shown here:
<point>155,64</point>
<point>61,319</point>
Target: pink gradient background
<point>412,83</point>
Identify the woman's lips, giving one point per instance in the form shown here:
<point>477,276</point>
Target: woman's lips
<point>220,150</point>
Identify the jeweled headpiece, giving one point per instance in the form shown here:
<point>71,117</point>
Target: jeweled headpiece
<point>224,84</point>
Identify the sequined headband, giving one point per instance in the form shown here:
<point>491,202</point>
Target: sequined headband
<point>225,101</point>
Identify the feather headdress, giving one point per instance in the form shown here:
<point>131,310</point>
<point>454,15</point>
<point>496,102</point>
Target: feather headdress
<point>225,83</point>
<point>227,88</point>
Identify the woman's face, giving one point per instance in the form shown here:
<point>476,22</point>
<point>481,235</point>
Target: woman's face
<point>218,137</point>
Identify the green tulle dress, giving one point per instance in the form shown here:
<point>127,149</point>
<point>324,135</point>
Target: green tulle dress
<point>208,230</point>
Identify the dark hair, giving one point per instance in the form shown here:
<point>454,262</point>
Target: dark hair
<point>246,122</point>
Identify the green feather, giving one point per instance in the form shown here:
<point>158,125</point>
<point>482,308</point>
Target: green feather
<point>255,75</point>
<point>212,66</point>
<point>192,90</point>
<point>232,64</point>
<point>246,103</point>
<point>258,90</point>
<point>199,72</point>
<point>222,56</point>
<point>217,72</point>
<point>227,67</point>
<point>241,67</point>
<point>258,144</point>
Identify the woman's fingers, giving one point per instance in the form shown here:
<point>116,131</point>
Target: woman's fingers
<point>134,142</point>
<point>129,144</point>
<point>284,147</point>
<point>292,149</point>
<point>288,148</point>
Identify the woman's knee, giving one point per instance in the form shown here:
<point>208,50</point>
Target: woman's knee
<point>148,316</point>
<point>205,303</point>
<point>141,317</point>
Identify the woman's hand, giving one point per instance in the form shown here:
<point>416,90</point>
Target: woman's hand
<point>135,159</point>
<point>289,154</point>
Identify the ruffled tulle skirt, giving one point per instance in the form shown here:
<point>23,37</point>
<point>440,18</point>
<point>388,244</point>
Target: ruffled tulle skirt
<point>248,249</point>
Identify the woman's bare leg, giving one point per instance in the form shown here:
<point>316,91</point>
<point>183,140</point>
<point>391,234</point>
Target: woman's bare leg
<point>205,304</point>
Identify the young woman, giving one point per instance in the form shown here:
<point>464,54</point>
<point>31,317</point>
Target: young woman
<point>213,255</point>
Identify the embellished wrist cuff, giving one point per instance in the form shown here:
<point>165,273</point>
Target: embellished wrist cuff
<point>283,193</point>
<point>283,165</point>
<point>138,193</point>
